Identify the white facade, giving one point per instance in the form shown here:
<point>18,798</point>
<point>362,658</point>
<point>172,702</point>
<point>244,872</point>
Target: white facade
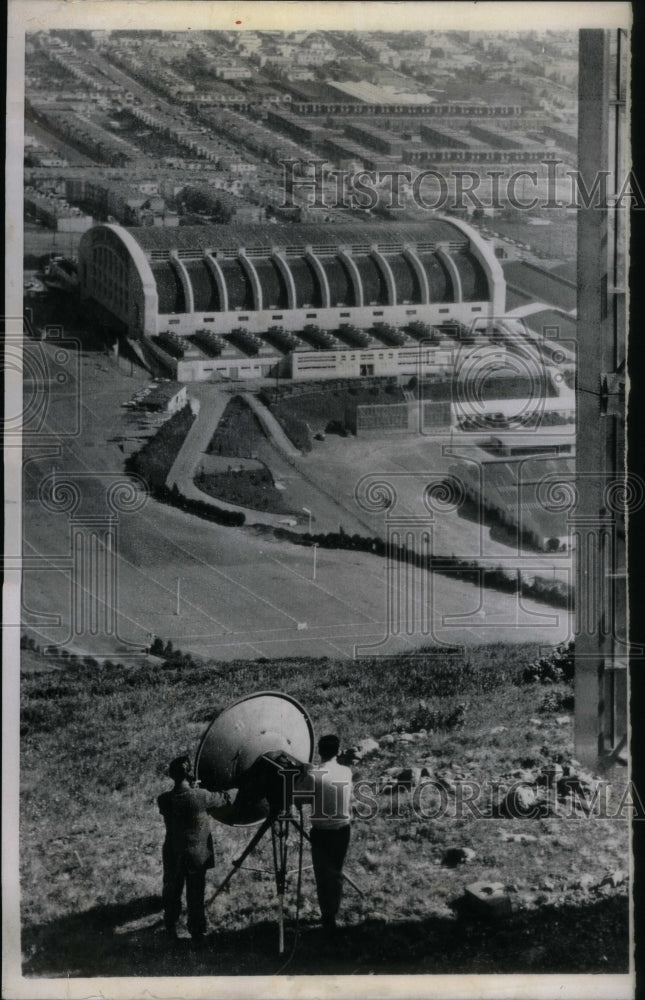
<point>378,361</point>
<point>327,319</point>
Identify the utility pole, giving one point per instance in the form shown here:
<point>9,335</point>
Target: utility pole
<point>178,598</point>
<point>598,524</point>
<point>315,547</point>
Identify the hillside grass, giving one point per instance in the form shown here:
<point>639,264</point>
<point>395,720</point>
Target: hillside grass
<point>95,747</point>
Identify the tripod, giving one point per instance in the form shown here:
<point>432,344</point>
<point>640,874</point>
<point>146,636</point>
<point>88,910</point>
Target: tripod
<point>279,824</point>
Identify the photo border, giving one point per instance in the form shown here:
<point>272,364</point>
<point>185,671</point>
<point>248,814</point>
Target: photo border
<point>26,15</point>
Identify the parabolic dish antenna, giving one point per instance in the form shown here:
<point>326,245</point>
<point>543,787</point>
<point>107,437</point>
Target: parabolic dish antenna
<point>268,722</point>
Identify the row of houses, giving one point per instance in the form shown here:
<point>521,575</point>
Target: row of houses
<point>367,145</point>
<point>81,133</point>
<point>160,78</point>
<point>55,213</point>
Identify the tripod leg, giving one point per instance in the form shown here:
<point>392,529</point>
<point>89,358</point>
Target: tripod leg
<point>238,861</point>
<point>281,924</point>
<point>280,832</point>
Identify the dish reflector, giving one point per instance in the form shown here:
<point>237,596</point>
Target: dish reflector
<point>266,722</point>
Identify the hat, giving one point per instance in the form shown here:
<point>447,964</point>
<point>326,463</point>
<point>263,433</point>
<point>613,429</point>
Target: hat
<point>180,768</point>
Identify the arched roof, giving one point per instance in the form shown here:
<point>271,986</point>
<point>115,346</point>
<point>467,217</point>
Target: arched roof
<point>205,291</point>
<point>266,262</point>
<point>169,288</point>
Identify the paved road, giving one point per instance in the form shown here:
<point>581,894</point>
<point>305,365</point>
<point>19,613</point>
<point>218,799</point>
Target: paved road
<point>182,472</point>
<point>196,441</point>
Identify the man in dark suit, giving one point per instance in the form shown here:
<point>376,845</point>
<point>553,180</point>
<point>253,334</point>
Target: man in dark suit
<point>188,847</point>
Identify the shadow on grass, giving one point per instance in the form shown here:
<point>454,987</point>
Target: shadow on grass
<point>129,940</point>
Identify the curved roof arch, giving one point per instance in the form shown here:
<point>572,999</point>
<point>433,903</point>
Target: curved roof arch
<point>457,262</point>
<point>139,259</point>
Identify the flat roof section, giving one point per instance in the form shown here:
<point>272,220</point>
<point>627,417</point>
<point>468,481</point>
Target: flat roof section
<point>302,234</point>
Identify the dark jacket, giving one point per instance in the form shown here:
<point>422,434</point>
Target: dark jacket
<point>189,841</point>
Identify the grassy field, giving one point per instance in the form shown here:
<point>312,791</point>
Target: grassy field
<point>238,433</point>
<point>95,745</point>
<point>246,487</point>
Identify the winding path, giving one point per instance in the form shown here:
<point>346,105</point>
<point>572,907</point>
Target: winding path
<point>182,471</point>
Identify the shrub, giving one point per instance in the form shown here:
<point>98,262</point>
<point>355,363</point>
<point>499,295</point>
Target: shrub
<point>154,461</point>
<point>201,508</point>
<point>554,593</point>
<point>433,719</point>
<point>557,701</point>
<point>557,667</point>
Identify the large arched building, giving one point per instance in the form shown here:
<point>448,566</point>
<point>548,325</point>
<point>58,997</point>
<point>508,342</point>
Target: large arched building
<point>238,284</point>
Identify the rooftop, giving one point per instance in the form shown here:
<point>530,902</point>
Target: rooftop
<point>269,234</point>
<point>162,394</point>
<point>372,93</point>
<point>541,285</point>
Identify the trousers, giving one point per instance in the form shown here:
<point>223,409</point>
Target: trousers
<point>175,876</point>
<point>328,850</point>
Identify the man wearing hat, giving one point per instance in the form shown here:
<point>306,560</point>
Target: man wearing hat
<point>188,847</point>
<point>328,788</point>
